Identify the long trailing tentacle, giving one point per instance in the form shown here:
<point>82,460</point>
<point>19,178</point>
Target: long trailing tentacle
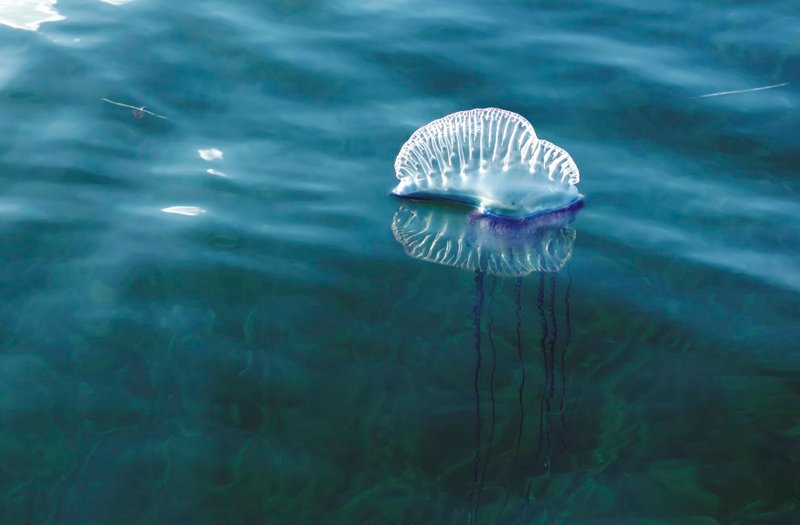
<point>567,341</point>
<point>545,365</point>
<point>521,359</point>
<point>477,312</point>
<point>521,394</point>
<point>490,335</point>
<point>546,386</point>
<point>552,368</point>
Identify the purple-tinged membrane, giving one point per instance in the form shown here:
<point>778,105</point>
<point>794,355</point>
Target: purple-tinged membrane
<point>492,245</point>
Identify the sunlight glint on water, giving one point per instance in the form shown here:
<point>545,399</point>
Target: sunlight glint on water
<point>178,346</point>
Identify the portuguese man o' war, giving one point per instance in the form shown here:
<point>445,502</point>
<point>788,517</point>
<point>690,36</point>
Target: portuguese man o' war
<point>496,249</point>
<point>489,158</point>
<point>526,195</point>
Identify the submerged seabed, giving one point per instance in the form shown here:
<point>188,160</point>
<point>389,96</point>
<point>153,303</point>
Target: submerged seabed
<point>267,352</point>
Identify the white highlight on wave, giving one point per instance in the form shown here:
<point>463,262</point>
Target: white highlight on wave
<point>210,154</point>
<point>736,92</point>
<point>189,211</point>
<point>30,14</point>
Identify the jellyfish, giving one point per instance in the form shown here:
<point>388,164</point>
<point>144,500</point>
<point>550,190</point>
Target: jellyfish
<point>488,158</point>
<point>525,194</point>
<point>493,250</point>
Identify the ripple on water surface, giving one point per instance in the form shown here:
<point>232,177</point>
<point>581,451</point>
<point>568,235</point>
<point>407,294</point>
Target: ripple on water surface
<point>180,346</point>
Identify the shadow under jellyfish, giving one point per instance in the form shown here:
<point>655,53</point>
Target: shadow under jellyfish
<point>525,195</point>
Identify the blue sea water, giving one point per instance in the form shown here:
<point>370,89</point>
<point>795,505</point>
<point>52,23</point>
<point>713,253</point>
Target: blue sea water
<point>265,351</point>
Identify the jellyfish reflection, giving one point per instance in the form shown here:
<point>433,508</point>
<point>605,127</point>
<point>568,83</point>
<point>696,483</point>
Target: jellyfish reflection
<point>496,249</point>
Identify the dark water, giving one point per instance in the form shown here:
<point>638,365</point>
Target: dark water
<point>279,359</point>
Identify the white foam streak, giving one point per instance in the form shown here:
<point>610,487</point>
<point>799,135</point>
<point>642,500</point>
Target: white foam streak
<point>721,93</point>
<point>138,112</point>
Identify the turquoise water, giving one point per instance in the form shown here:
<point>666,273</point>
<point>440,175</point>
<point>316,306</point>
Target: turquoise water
<point>275,356</point>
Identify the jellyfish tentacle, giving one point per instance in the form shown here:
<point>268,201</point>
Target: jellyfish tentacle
<point>545,365</point>
<point>552,368</point>
<point>521,391</point>
<point>567,341</point>
<point>521,360</point>
<point>490,336</point>
<point>477,312</point>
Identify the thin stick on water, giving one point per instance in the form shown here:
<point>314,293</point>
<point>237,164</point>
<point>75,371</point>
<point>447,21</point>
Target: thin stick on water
<point>744,90</point>
<point>135,109</point>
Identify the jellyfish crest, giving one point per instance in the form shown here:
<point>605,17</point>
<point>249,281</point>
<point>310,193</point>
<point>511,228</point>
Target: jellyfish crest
<point>489,158</point>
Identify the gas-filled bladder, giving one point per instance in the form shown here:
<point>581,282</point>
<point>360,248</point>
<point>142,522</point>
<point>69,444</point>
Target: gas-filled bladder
<point>489,158</point>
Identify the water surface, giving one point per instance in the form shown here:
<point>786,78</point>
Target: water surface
<point>238,338</point>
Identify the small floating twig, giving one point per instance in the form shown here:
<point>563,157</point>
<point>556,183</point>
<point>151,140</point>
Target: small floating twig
<point>138,112</point>
<point>744,90</point>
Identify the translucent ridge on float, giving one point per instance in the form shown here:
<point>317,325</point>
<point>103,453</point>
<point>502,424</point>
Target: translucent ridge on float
<point>489,158</point>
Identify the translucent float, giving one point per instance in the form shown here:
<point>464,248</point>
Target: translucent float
<point>489,158</point>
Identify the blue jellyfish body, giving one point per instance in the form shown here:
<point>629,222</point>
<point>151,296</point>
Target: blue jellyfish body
<point>489,158</point>
<point>526,195</point>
